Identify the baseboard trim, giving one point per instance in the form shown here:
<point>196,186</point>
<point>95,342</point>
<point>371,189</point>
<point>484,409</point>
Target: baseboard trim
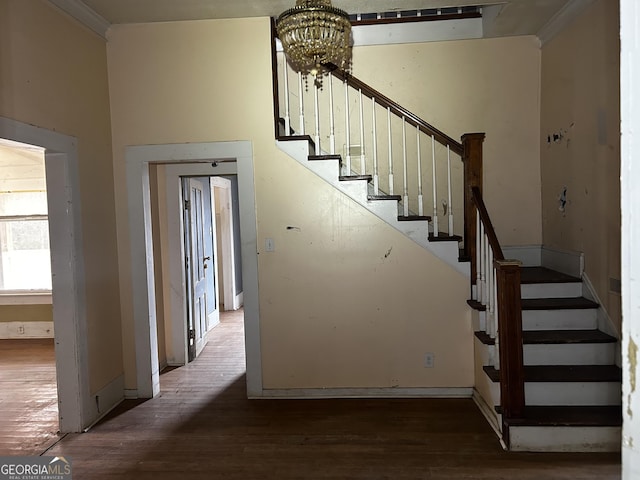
<point>105,400</point>
<point>17,330</point>
<point>410,392</point>
<point>131,394</point>
<point>565,261</point>
<point>490,415</point>
<point>602,317</point>
<point>529,255</point>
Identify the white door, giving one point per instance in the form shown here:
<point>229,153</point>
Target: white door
<point>196,266</point>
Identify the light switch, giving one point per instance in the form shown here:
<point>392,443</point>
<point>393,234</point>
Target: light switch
<point>269,245</point>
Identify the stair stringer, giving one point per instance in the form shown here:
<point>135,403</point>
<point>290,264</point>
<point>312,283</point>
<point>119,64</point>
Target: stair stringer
<point>385,210</point>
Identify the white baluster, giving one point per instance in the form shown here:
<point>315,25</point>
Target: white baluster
<point>332,130</point>
<point>483,265</point>
<point>478,292</point>
<point>449,196</point>
<point>390,152</point>
<point>363,163</point>
<point>317,118</point>
<point>376,180</point>
<point>496,319</point>
<point>301,132</point>
<point>347,128</point>
<point>490,285</point>
<point>435,186</point>
<point>405,183</point>
<point>420,197</point>
<point>287,112</point>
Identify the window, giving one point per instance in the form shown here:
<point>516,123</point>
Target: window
<point>25,260</point>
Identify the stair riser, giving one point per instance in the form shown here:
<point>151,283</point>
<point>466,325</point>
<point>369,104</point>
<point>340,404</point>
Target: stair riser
<point>566,393</point>
<point>570,354</point>
<point>578,319</point>
<point>564,439</point>
<point>572,393</point>
<point>551,290</point>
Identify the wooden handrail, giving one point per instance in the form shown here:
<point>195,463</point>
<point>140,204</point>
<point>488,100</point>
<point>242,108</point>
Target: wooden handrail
<point>398,110</point>
<point>488,226</point>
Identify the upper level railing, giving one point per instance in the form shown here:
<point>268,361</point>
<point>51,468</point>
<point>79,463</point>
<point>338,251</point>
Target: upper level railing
<point>403,154</point>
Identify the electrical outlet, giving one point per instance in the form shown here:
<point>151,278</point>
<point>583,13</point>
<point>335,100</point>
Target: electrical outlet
<point>428,360</point>
<point>21,329</point>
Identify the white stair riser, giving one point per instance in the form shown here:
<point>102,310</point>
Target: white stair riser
<point>578,319</point>
<point>386,210</point>
<point>570,354</point>
<point>572,393</point>
<point>551,290</point>
<point>478,320</point>
<point>565,439</point>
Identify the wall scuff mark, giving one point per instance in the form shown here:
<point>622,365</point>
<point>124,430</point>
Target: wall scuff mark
<point>562,201</point>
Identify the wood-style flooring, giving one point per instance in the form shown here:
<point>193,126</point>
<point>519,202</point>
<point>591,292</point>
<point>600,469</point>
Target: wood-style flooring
<point>203,427</point>
<point>28,396</point>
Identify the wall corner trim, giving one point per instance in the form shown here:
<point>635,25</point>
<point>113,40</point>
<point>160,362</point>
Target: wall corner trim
<point>85,15</point>
<point>572,10</point>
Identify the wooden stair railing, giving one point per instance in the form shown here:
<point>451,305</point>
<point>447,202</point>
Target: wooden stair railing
<point>393,159</point>
<point>497,289</point>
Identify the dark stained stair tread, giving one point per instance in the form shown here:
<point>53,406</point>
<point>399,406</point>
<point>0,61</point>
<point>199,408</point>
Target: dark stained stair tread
<point>324,157</point>
<point>348,178</point>
<point>545,275</point>
<point>385,197</point>
<point>564,373</point>
<point>485,338</point>
<point>557,303</point>
<point>570,416</point>
<point>444,237</point>
<point>414,218</point>
<point>565,337</point>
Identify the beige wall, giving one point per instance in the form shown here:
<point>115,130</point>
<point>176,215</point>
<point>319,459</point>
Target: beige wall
<point>580,99</point>
<point>467,86</point>
<point>334,311</point>
<point>53,75</point>
<point>26,313</point>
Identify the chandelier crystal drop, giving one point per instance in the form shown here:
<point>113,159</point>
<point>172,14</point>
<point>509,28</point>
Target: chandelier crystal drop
<point>315,34</point>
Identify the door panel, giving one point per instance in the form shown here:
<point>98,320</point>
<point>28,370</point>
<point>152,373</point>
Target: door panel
<point>196,266</point>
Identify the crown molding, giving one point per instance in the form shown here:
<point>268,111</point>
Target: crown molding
<point>85,15</point>
<point>567,14</point>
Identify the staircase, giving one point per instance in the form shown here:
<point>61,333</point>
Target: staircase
<point>545,376</point>
<point>572,385</point>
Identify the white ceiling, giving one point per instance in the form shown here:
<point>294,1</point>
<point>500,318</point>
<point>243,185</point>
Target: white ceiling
<point>505,17</point>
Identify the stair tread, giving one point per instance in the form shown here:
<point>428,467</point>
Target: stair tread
<point>324,157</point>
<point>444,237</point>
<point>485,338</point>
<point>348,178</point>
<point>573,416</point>
<point>530,275</point>
<point>564,373</point>
<point>557,303</point>
<point>385,197</point>
<point>566,337</point>
<point>414,218</point>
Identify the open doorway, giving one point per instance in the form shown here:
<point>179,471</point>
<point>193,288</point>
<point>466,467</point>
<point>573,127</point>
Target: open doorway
<point>28,383</point>
<point>195,218</point>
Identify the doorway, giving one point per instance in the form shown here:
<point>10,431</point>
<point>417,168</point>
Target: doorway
<point>76,409</point>
<point>206,159</point>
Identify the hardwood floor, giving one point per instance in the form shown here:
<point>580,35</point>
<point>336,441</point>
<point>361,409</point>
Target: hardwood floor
<point>28,396</point>
<point>203,427</point>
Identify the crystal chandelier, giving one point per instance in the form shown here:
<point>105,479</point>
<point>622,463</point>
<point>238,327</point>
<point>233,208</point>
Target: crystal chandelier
<point>314,34</point>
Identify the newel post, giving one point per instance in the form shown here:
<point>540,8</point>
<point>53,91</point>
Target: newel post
<point>510,338</point>
<point>472,162</point>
